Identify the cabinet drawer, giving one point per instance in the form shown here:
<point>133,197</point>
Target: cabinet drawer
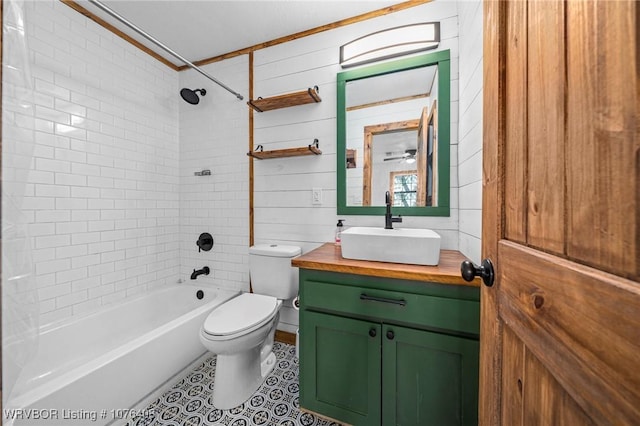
<point>385,305</point>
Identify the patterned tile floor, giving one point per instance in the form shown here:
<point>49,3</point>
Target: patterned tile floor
<point>188,401</point>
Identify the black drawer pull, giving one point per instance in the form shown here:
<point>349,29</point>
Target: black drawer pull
<point>400,302</point>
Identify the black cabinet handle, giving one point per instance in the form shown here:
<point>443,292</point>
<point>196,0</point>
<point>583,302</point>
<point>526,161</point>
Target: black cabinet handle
<point>390,335</point>
<point>372,332</point>
<point>400,302</point>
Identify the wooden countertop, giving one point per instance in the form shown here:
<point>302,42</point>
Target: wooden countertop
<point>328,257</point>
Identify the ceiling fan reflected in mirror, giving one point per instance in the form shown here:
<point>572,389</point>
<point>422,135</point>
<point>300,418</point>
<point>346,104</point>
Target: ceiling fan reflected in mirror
<point>409,156</point>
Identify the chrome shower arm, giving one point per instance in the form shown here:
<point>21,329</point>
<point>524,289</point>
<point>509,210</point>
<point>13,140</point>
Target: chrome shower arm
<point>146,35</point>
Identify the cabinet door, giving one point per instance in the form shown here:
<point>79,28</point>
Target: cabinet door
<point>428,378</point>
<point>340,367</point>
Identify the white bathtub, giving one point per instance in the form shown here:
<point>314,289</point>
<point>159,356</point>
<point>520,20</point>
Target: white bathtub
<point>109,360</point>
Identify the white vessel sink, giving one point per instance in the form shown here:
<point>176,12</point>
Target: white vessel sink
<point>401,245</point>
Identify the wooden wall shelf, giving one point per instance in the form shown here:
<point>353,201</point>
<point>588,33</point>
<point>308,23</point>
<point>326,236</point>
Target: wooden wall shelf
<point>260,154</point>
<point>284,101</point>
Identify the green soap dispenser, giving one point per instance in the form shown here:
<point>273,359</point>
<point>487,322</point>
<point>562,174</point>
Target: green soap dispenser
<point>339,228</point>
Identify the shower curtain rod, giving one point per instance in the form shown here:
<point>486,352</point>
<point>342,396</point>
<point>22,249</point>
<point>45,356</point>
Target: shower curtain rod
<point>161,45</point>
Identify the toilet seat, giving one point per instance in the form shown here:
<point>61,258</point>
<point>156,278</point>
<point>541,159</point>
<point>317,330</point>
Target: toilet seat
<point>240,315</point>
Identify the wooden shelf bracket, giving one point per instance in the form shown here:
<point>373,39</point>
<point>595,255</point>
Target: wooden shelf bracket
<point>261,154</point>
<point>287,100</point>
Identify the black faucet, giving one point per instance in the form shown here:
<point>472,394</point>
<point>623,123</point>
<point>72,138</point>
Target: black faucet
<point>203,271</point>
<point>388,218</point>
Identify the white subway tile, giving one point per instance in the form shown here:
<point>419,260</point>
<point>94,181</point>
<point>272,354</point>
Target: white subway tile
<point>111,214</point>
<point>111,235</point>
<point>70,227</point>
<point>71,203</point>
<point>84,192</point>
<point>68,107</point>
<point>38,203</point>
<point>71,274</point>
<point>70,251</point>
<point>70,155</point>
<point>39,176</point>
<point>86,283</point>
<point>71,299</point>
<point>102,290</point>
<point>80,215</point>
<point>101,247</point>
<point>53,216</point>
<point>43,151</point>
<point>98,204</point>
<point>52,266</point>
<point>43,255</point>
<point>85,238</point>
<point>88,260</point>
<point>85,169</point>
<point>70,179</point>
<point>52,165</point>
<point>50,88</point>
<point>85,146</point>
<point>112,256</point>
<point>101,225</point>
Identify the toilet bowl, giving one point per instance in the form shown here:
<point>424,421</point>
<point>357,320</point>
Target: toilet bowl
<point>241,331</point>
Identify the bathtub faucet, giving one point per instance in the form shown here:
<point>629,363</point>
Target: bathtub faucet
<point>203,271</point>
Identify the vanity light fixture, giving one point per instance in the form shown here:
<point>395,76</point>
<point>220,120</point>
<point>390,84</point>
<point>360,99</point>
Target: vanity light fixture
<point>390,43</point>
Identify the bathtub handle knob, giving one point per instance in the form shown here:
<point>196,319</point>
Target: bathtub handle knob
<point>205,242</point>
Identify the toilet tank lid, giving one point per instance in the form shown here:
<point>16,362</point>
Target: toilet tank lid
<point>275,250</point>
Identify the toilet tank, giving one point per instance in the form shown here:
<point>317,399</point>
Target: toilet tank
<point>271,271</point>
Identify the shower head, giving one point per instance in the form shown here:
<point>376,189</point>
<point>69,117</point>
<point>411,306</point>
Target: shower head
<point>191,96</point>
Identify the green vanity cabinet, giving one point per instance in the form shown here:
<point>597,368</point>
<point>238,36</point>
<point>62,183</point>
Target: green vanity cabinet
<point>345,373</point>
<point>379,351</point>
<point>428,378</point>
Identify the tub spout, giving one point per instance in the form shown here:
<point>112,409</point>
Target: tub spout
<point>203,271</point>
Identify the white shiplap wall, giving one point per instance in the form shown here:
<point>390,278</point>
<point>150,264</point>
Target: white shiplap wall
<point>283,206</point>
<point>101,200</point>
<point>214,135</point>
<point>470,145</point>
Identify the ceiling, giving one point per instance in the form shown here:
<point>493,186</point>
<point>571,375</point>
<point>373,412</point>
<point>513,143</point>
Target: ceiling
<point>198,29</point>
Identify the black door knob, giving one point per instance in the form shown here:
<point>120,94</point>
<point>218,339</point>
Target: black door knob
<point>470,270</point>
<point>390,335</point>
<point>372,332</point>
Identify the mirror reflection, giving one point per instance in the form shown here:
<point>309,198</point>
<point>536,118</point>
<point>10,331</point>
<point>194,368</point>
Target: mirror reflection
<point>387,120</point>
<point>393,136</point>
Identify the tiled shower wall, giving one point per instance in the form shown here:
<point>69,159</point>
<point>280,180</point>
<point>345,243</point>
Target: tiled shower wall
<point>102,202</point>
<point>214,136</point>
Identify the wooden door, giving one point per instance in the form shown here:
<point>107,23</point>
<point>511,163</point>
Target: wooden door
<point>560,334</point>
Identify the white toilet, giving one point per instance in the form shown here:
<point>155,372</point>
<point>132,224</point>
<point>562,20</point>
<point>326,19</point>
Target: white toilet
<point>241,330</point>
